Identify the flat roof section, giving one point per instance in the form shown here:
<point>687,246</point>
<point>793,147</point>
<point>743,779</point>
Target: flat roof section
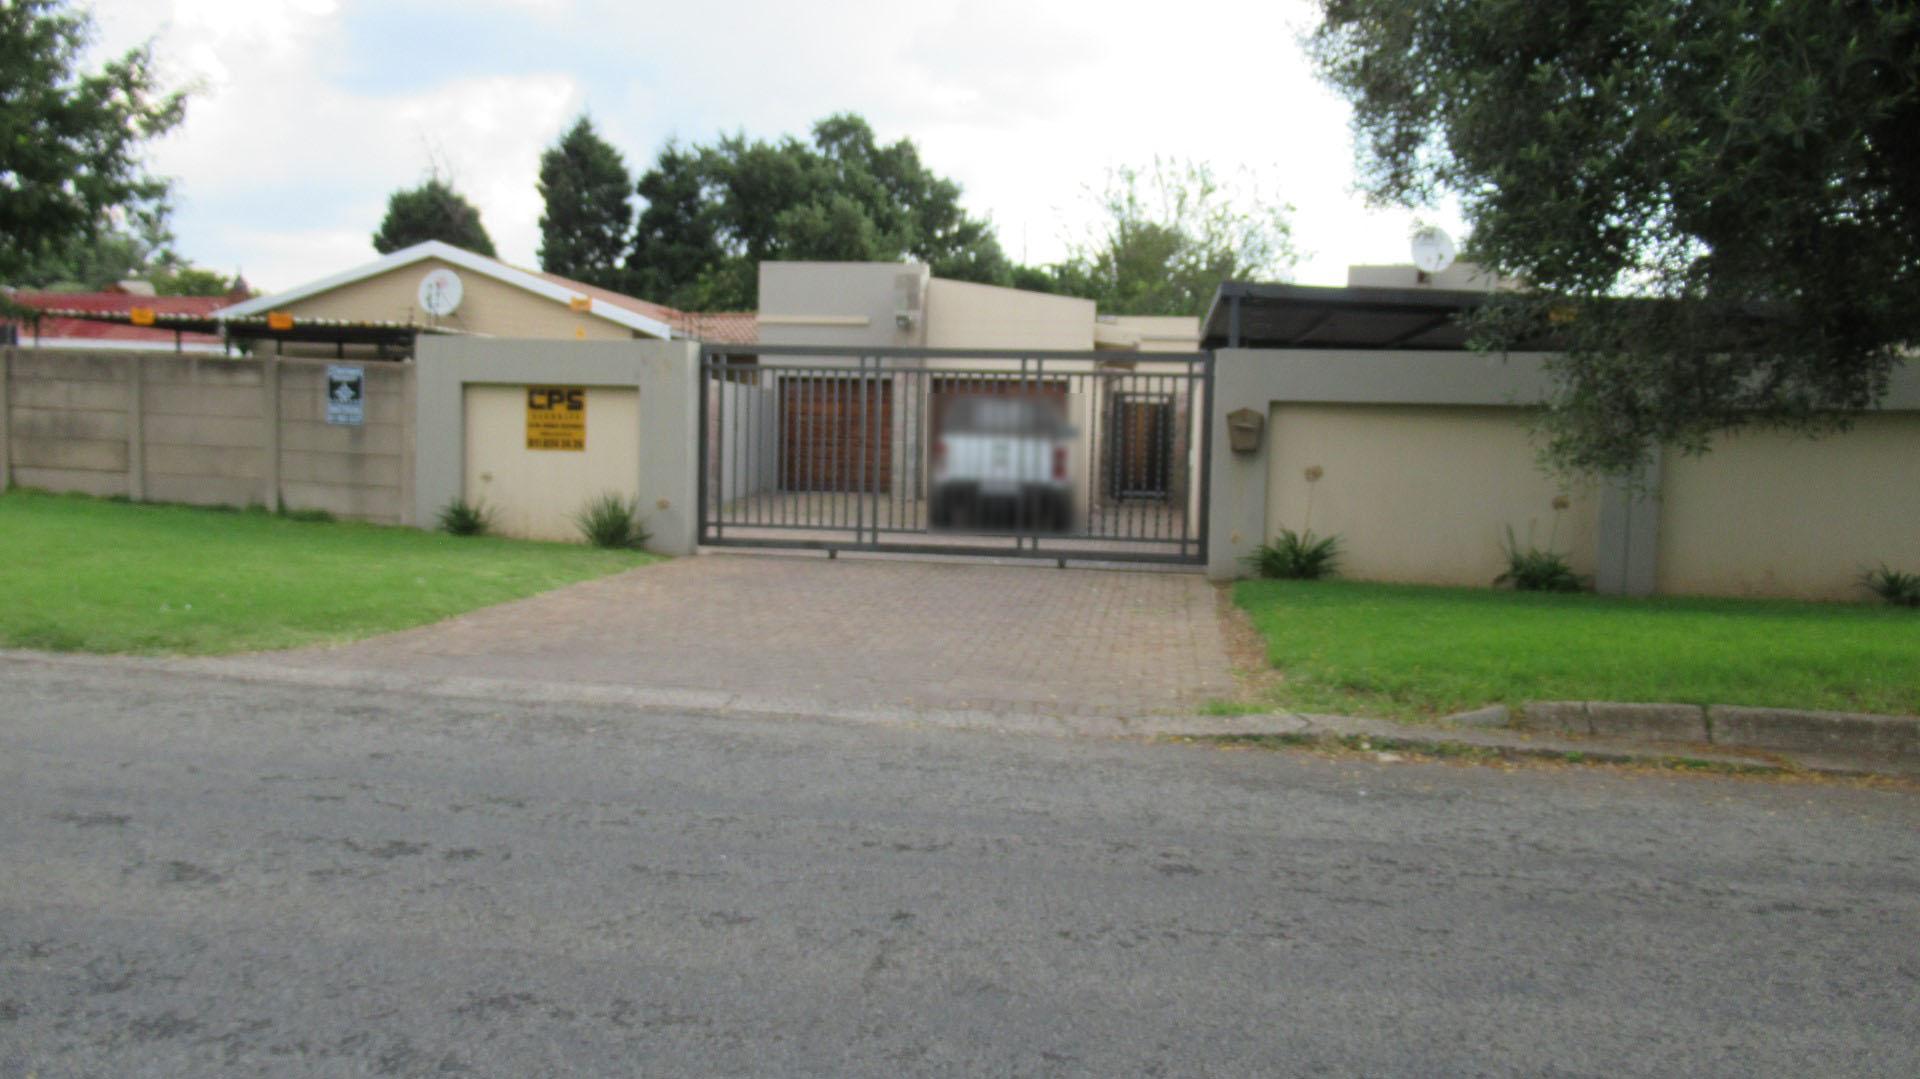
<point>1247,315</point>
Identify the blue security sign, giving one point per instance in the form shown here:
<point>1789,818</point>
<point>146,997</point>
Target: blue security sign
<point>346,394</point>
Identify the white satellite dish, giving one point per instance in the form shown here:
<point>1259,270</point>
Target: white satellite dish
<point>1433,250</point>
<point>440,292</point>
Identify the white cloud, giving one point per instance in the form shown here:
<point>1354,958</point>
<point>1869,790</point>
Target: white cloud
<point>303,127</point>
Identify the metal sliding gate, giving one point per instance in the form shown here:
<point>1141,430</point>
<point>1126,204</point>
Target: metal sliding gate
<point>1060,455</point>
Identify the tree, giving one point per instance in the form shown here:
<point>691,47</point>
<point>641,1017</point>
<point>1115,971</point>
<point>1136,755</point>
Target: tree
<point>432,211</point>
<point>1167,236</point>
<point>711,214</point>
<point>70,140</point>
<point>191,281</point>
<point>1716,205</point>
<point>88,263</point>
<point>586,229</point>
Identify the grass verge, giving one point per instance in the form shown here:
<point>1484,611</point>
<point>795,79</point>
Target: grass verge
<point>1411,652</point>
<point>82,574</point>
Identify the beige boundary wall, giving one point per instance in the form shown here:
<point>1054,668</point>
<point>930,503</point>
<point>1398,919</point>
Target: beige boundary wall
<point>1768,514</point>
<point>1421,461</point>
<point>1421,493</point>
<point>534,493</point>
<point>642,414</point>
<point>205,430</point>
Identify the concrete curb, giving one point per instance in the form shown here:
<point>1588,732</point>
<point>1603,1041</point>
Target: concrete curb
<point>1332,730</point>
<point>715,703</point>
<point>1791,730</point>
<point>1384,734</point>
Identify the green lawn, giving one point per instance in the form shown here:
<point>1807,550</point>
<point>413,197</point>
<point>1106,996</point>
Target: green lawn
<point>1409,651</point>
<point>92,575</point>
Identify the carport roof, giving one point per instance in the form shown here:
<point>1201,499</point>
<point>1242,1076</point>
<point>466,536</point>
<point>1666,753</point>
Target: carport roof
<point>1246,315</point>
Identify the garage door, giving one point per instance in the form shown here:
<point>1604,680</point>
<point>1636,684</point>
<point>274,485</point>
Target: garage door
<point>836,434</point>
<point>947,390</point>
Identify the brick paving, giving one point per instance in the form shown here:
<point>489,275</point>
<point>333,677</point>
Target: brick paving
<point>852,632</point>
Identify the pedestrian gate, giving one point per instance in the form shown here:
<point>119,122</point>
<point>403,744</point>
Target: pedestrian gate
<point>1082,455</point>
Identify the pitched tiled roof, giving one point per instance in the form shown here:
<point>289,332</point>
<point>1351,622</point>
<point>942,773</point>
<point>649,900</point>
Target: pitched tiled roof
<point>715,327</point>
<point>720,327</point>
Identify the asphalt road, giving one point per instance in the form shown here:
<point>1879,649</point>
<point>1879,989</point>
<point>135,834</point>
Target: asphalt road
<point>207,878</point>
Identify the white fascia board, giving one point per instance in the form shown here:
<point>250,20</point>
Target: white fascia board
<point>466,260</point>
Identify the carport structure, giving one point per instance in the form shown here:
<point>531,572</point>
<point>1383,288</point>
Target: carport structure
<point>1249,315</point>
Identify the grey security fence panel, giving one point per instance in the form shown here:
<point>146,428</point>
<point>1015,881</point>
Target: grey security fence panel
<point>1060,455</point>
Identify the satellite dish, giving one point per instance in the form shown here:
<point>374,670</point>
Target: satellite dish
<point>1433,250</point>
<point>440,292</point>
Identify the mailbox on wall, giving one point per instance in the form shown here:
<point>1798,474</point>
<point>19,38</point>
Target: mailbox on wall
<point>1244,426</point>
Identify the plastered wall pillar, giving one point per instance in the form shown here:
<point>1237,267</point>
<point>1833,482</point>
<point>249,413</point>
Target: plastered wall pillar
<point>1237,506</point>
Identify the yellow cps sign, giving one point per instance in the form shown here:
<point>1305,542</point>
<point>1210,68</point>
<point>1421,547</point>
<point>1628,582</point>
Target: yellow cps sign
<point>556,417</point>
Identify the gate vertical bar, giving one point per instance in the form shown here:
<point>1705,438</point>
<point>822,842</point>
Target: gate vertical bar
<point>1206,456</point>
<point>1157,457</point>
<point>1183,392</point>
<point>718,385</point>
<point>739,441</point>
<point>859,492</point>
<point>839,457</point>
<point>749,406</point>
<point>809,403</point>
<point>700,413</point>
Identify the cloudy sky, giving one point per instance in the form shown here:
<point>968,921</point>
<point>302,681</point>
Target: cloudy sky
<point>311,111</point>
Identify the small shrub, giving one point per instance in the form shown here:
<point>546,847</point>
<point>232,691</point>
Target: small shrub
<point>1897,588</point>
<point>462,518</point>
<point>1296,556</point>
<point>1536,570</point>
<point>612,521</point>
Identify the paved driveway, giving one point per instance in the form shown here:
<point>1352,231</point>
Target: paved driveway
<point>853,632</point>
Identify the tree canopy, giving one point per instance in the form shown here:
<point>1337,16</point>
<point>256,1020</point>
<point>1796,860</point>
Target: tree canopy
<point>712,213</point>
<point>1166,237</point>
<point>586,229</point>
<point>71,141</point>
<point>1716,205</point>
<point>432,211</point>
<point>88,263</point>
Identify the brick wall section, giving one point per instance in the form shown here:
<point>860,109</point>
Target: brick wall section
<point>204,430</point>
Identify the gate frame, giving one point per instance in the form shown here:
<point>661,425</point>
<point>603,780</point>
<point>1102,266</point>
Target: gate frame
<point>716,358</point>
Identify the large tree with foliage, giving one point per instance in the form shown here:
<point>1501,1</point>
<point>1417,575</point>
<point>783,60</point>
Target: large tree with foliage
<point>112,253</point>
<point>432,211</point>
<point>71,140</point>
<point>1716,205</point>
<point>1166,236</point>
<point>713,213</point>
<point>586,230</point>
<point>92,261</point>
